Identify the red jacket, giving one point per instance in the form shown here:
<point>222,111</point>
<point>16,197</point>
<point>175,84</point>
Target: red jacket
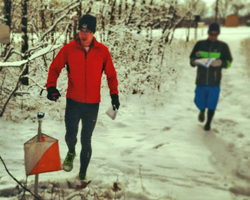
<point>84,71</point>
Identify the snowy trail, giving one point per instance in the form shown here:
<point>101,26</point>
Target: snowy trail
<point>175,155</point>
<point>160,152</point>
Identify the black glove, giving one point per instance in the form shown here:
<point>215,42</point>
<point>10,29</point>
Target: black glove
<point>224,64</point>
<point>115,101</point>
<point>53,94</point>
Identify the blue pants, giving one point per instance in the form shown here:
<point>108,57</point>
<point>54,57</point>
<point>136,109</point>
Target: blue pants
<point>87,113</point>
<point>206,97</point>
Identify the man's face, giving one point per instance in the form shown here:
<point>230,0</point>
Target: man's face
<point>213,35</point>
<point>86,36</point>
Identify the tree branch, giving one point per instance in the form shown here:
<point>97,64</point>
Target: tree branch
<point>26,76</point>
<point>42,52</point>
<point>13,91</point>
<point>17,180</point>
<point>8,54</point>
<point>57,21</point>
<point>63,9</point>
<point>18,53</point>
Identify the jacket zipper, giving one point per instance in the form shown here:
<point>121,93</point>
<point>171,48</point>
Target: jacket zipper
<point>85,77</point>
<point>207,76</point>
<point>208,67</point>
<point>86,73</point>
<point>215,76</point>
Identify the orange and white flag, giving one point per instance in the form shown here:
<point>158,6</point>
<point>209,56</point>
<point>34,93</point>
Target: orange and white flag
<point>42,156</point>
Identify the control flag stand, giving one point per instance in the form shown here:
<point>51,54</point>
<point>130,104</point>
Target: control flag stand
<point>40,117</point>
<point>41,154</point>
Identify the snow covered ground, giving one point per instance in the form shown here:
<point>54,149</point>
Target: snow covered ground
<point>156,148</point>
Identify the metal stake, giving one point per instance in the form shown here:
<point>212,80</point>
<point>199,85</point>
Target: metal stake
<point>40,116</point>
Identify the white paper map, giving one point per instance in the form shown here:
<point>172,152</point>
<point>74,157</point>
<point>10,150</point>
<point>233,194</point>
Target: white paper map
<point>205,62</point>
<point>111,113</point>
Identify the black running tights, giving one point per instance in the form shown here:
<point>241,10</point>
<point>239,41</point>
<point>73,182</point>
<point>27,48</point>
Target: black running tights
<point>87,113</point>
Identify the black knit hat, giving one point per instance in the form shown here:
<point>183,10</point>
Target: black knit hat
<point>87,22</point>
<point>214,27</point>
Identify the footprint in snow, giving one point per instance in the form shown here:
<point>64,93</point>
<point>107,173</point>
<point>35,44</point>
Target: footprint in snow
<point>241,135</point>
<point>215,130</point>
<point>141,140</point>
<point>159,145</point>
<point>167,128</point>
<point>243,172</point>
<point>121,125</point>
<point>126,152</point>
<point>227,122</point>
<point>240,190</point>
<point>223,126</point>
<point>127,137</point>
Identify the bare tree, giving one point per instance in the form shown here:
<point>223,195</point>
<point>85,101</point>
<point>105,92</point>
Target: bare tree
<point>120,9</point>
<point>189,9</point>
<point>7,12</point>
<point>42,15</point>
<point>226,7</point>
<point>131,12</point>
<point>25,44</point>
<point>126,38</point>
<point>111,15</point>
<point>223,7</point>
<point>88,8</point>
<point>12,78</point>
<point>237,7</point>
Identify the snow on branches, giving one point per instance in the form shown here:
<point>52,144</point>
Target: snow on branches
<point>138,36</point>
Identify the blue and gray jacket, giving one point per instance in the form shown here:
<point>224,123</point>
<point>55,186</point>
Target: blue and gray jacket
<point>208,49</point>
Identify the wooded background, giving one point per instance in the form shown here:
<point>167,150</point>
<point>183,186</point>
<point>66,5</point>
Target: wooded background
<point>138,33</point>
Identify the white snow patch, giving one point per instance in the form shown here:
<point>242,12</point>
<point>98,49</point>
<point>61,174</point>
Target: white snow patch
<point>157,152</point>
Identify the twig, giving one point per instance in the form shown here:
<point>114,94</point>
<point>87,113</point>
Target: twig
<point>18,53</point>
<point>34,56</point>
<point>57,21</point>
<point>66,7</point>
<point>24,190</point>
<point>1,88</point>
<point>26,76</point>
<point>13,91</point>
<point>8,54</point>
<point>66,32</point>
<point>37,47</point>
<point>141,178</point>
<point>17,180</point>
